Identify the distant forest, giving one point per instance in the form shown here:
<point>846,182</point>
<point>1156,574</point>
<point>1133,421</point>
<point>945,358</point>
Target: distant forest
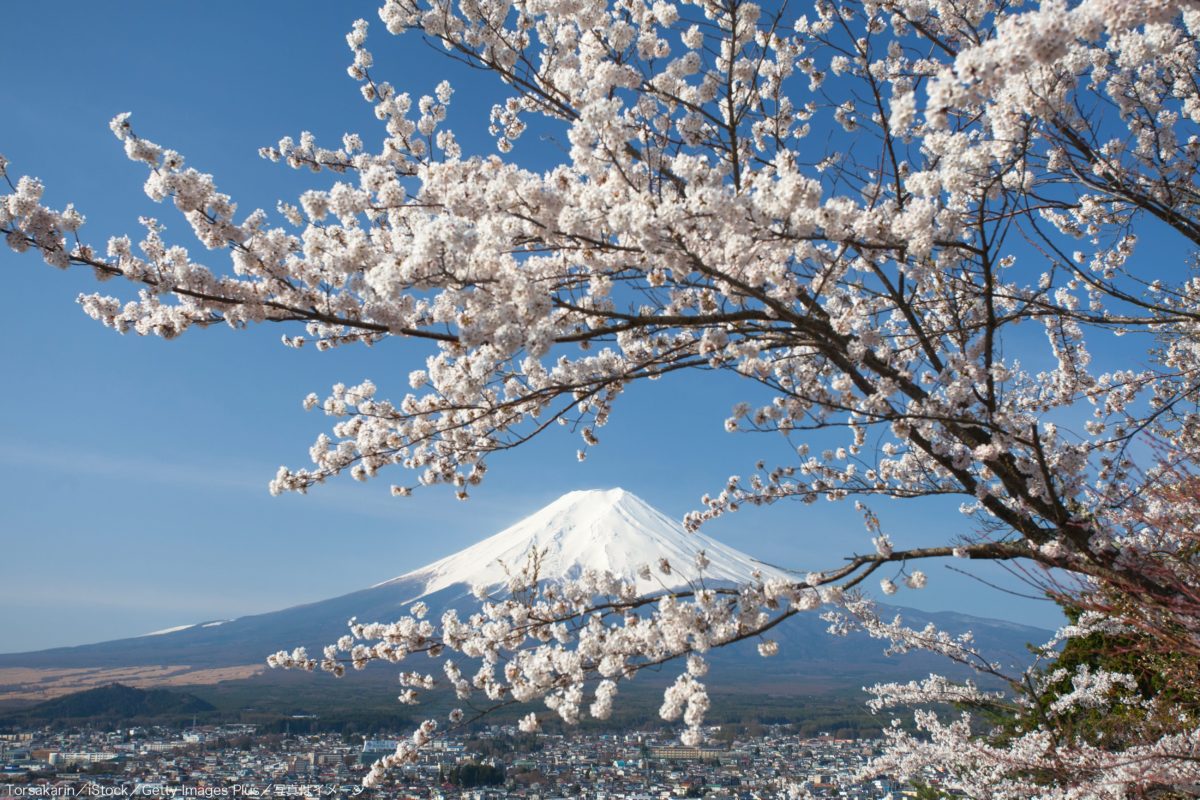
<point>281,710</point>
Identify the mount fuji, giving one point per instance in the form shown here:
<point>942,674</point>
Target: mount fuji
<point>610,530</point>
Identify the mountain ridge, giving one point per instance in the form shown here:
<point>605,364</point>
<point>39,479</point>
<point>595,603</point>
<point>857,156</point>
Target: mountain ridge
<point>599,529</point>
<point>113,701</point>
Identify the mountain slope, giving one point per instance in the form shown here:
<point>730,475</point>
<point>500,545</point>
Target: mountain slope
<point>599,530</point>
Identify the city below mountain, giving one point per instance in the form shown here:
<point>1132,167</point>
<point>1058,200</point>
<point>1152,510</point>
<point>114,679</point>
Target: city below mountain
<point>602,530</point>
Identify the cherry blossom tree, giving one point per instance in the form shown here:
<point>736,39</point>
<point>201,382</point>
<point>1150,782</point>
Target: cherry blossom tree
<point>906,224</point>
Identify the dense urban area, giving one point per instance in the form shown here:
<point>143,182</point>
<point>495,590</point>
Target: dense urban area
<point>238,761</point>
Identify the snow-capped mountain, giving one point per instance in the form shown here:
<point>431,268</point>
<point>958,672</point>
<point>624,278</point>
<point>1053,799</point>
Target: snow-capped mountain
<point>602,530</point>
<point>612,530</point>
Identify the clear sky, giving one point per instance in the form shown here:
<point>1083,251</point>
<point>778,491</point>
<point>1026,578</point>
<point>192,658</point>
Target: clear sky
<point>135,470</point>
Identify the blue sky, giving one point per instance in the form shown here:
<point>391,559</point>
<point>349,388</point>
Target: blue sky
<point>134,470</point>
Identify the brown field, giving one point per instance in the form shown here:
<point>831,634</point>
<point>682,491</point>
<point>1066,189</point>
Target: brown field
<point>32,684</point>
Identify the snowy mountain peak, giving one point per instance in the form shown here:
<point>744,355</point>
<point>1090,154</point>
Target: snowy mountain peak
<point>610,529</point>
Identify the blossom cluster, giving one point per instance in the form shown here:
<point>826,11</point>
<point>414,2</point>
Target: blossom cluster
<point>568,643</point>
